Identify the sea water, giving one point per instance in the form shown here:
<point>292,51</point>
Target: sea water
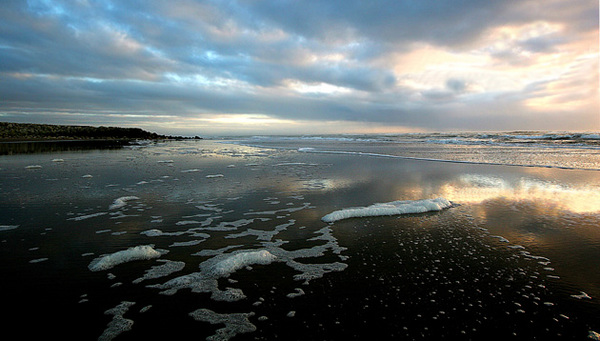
<point>454,236</point>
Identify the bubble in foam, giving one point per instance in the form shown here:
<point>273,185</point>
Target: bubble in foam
<point>299,292</point>
<point>193,170</point>
<point>583,295</point>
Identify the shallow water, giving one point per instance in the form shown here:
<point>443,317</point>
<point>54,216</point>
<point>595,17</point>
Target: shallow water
<point>232,243</point>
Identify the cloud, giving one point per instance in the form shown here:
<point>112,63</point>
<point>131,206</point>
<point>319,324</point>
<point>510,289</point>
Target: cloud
<point>464,64</point>
<point>393,22</point>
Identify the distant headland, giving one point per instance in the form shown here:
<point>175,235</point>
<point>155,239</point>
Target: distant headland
<point>50,132</point>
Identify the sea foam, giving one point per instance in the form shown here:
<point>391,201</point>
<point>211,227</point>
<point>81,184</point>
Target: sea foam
<point>237,323</point>
<point>389,208</point>
<point>237,261</point>
<point>118,324</point>
<point>88,216</point>
<point>217,267</point>
<point>121,202</point>
<point>8,227</point>
<point>142,252</point>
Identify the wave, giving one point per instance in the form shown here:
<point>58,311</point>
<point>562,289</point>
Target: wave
<point>518,138</point>
<point>575,151</point>
<point>489,163</point>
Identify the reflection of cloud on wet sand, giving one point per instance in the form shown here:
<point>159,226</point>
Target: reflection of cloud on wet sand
<point>472,188</point>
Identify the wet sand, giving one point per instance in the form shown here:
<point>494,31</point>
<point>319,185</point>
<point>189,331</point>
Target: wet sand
<point>512,259</point>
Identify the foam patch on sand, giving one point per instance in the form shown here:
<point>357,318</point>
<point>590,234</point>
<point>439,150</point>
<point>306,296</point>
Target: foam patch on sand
<point>231,225</point>
<point>168,267</point>
<point>118,324</point>
<point>142,252</point>
<point>237,323</point>
<point>263,235</point>
<point>8,227</point>
<point>390,208</point>
<point>158,233</point>
<point>121,202</point>
<point>237,261</point>
<point>214,268</point>
<point>87,216</point>
<point>222,264</point>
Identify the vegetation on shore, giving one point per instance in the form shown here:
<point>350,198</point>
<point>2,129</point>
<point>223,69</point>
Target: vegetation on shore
<point>34,132</point>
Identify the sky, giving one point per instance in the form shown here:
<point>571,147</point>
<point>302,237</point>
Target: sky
<point>302,67</point>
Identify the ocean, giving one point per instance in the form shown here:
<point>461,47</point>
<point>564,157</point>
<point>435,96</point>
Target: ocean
<point>470,236</point>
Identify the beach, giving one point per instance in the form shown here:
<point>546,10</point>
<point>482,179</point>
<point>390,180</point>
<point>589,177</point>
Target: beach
<point>445,237</point>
